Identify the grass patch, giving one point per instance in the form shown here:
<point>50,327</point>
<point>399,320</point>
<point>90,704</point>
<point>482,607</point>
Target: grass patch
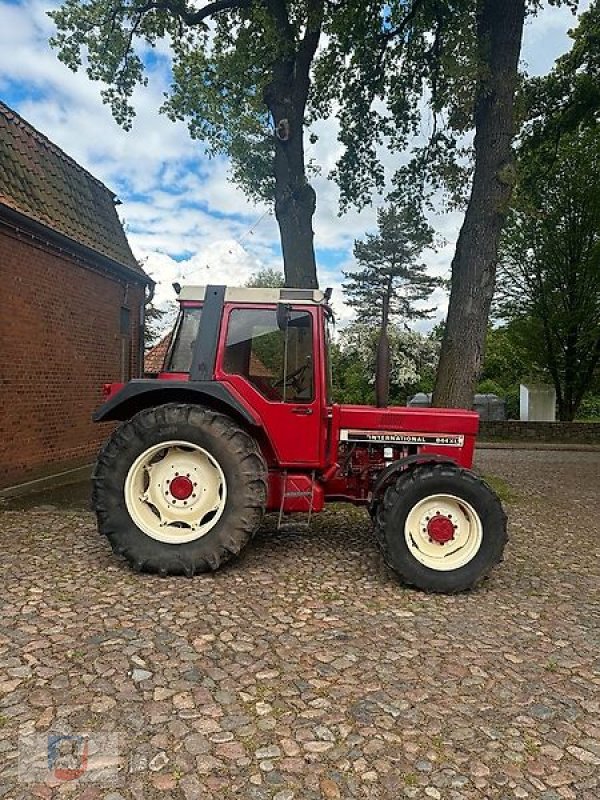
<point>503,489</point>
<point>532,748</point>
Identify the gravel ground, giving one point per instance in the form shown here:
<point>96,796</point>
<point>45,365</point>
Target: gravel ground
<point>305,670</point>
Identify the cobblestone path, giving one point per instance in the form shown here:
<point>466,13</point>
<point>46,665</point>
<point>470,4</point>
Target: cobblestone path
<point>305,670</point>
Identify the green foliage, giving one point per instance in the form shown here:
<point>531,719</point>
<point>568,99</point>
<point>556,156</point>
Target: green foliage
<point>267,278</point>
<point>422,50</point>
<point>508,355</point>
<point>380,71</point>
<point>219,71</point>
<point>549,276</point>
<point>569,97</point>
<point>590,408</point>
<point>413,360</point>
<point>389,272</point>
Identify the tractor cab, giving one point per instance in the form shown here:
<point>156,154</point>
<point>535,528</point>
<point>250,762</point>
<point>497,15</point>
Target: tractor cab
<point>268,347</point>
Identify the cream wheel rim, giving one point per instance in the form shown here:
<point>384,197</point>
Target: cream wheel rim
<point>443,532</point>
<point>175,492</point>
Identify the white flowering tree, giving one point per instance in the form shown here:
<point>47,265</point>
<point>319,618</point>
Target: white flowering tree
<point>413,360</point>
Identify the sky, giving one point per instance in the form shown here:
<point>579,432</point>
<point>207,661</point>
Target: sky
<point>185,220</point>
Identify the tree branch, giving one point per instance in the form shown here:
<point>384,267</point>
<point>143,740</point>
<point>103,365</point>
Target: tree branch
<point>308,46</point>
<point>279,11</point>
<point>181,10</point>
<point>387,36</point>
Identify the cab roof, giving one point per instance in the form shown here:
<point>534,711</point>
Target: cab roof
<point>243,294</point>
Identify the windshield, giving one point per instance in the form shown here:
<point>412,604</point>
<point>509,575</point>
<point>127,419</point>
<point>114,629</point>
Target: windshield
<point>179,358</point>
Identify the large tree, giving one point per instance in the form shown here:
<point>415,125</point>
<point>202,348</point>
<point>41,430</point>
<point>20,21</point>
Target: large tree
<point>241,67</point>
<point>458,59</point>
<point>549,276</point>
<point>499,33</point>
<point>241,79</point>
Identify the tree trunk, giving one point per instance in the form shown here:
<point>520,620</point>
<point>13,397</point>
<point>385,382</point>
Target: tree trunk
<point>286,97</point>
<point>295,199</point>
<point>295,205</point>
<point>382,368</point>
<point>499,34</point>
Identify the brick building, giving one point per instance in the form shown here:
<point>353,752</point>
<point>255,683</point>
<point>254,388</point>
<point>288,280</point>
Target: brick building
<point>71,305</point>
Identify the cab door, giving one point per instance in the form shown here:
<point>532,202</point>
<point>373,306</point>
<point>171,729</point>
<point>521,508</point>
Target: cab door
<point>274,365</point>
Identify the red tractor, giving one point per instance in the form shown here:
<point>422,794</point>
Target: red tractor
<point>240,421</point>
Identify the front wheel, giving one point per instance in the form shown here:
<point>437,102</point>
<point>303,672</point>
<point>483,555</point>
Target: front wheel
<point>179,489</point>
<point>441,528</point>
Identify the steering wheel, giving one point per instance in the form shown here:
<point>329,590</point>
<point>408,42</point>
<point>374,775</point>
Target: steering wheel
<point>293,379</point>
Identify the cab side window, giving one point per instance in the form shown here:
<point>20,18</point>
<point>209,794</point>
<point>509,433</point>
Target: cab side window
<point>277,362</point>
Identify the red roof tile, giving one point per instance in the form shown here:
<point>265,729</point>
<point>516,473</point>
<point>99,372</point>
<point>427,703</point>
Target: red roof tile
<point>155,357</point>
<point>42,182</point>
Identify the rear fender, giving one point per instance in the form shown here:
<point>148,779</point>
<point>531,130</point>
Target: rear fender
<point>139,394</point>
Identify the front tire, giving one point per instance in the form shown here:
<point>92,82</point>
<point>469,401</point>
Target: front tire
<point>441,528</point>
<point>179,489</point>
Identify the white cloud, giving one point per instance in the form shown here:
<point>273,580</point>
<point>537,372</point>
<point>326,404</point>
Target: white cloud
<point>223,261</point>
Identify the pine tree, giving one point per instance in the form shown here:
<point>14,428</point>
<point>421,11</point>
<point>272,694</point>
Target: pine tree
<point>391,282</point>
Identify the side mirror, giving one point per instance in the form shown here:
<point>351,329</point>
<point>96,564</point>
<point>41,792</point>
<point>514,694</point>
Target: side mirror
<point>283,316</point>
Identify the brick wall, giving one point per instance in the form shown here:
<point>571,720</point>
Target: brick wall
<point>59,342</point>
<point>559,432</point>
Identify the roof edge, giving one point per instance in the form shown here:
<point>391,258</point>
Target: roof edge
<point>22,223</point>
<point>246,294</point>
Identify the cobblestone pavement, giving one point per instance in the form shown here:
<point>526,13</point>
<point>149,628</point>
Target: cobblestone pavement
<point>305,670</point>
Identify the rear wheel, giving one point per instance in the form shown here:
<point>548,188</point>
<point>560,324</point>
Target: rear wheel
<point>441,528</point>
<point>179,489</point>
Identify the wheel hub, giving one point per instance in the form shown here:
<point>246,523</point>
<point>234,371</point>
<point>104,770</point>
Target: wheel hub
<point>175,491</point>
<point>181,487</point>
<point>443,531</point>
<point>440,529</point>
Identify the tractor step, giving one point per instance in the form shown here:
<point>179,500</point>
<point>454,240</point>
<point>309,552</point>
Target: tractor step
<point>295,494</point>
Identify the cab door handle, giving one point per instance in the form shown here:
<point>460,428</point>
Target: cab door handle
<point>303,411</point>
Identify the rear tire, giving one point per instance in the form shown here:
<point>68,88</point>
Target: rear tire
<point>441,528</point>
<point>202,521</point>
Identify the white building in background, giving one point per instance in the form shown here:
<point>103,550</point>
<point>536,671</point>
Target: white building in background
<point>537,403</point>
